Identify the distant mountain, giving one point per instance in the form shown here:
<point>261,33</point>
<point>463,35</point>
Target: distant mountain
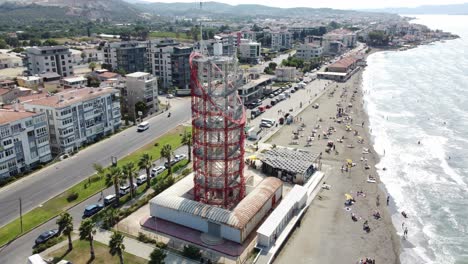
<point>27,10</point>
<point>455,9</point>
<point>221,10</point>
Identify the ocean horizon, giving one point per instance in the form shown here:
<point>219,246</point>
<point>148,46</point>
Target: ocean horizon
<point>417,102</point>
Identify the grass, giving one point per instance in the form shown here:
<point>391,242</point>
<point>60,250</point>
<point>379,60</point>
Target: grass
<point>85,189</point>
<point>80,254</point>
<point>166,34</point>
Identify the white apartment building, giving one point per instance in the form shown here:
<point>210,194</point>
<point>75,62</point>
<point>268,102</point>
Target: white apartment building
<point>249,51</point>
<point>140,87</point>
<point>9,61</point>
<point>78,117</point>
<point>24,141</point>
<point>332,40</point>
<point>285,74</point>
<point>281,40</point>
<point>56,59</point>
<point>309,51</point>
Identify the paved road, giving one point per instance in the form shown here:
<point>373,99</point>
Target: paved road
<point>51,181</point>
<point>20,249</point>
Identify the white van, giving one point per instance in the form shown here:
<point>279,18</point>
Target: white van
<point>141,179</point>
<point>268,121</point>
<point>143,126</point>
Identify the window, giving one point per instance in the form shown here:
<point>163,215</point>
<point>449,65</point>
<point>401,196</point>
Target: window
<point>42,140</point>
<point>46,58</point>
<point>3,166</point>
<point>43,150</point>
<point>16,128</point>
<point>11,163</point>
<point>9,152</point>
<point>67,121</point>
<point>4,131</point>
<point>7,142</point>
<point>66,112</point>
<point>41,132</point>
<point>62,57</point>
<point>39,119</point>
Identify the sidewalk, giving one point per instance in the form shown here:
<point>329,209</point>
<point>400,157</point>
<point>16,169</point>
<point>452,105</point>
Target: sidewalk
<point>139,249</point>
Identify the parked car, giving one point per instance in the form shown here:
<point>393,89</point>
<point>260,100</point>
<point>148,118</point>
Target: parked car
<point>91,210</point>
<point>44,237</point>
<point>109,199</point>
<point>169,96</point>
<point>158,170</point>
<point>271,95</point>
<point>262,108</point>
<point>293,91</point>
<point>173,161</point>
<point>123,190</point>
<point>267,106</point>
<point>265,124</point>
<point>180,157</point>
<point>141,179</point>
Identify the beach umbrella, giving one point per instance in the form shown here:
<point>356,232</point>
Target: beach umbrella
<point>253,157</point>
<point>348,196</point>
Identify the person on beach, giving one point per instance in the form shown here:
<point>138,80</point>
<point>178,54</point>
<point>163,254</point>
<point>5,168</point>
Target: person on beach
<point>388,199</point>
<point>406,232</point>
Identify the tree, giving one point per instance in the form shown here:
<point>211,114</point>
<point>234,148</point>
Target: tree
<point>187,141</point>
<point>92,66</point>
<point>110,218</point>
<point>272,65</point>
<point>166,152</point>
<point>83,56</point>
<point>116,246</point>
<point>35,42</point>
<point>121,71</point>
<point>93,81</point>
<point>87,232</point>
<point>146,162</point>
<point>129,171</point>
<point>100,170</point>
<point>116,175</point>
<point>191,252</point>
<point>50,42</point>
<point>140,106</point>
<point>3,44</point>
<point>157,257</point>
<point>65,224</point>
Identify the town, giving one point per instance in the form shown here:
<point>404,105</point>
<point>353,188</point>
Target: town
<point>208,142</point>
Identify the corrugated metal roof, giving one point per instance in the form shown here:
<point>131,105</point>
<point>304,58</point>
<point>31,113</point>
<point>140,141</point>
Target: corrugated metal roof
<point>237,218</point>
<point>297,161</point>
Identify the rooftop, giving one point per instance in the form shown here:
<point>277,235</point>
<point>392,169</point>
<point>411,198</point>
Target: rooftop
<point>297,161</point>
<point>108,75</point>
<point>74,79</point>
<point>66,98</point>
<point>344,62</point>
<point>137,74</point>
<point>8,116</point>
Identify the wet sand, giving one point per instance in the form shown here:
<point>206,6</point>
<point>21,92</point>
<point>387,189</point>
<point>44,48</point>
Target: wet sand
<point>327,233</point>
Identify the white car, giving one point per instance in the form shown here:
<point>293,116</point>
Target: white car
<point>169,96</point>
<point>180,157</point>
<point>158,170</point>
<point>265,124</point>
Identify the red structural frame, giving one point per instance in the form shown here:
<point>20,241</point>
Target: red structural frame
<point>218,121</point>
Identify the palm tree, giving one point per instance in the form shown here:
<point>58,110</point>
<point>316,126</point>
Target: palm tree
<point>157,257</point>
<point>166,152</point>
<point>87,231</point>
<point>187,140</point>
<point>116,175</point>
<point>110,218</point>
<point>116,246</point>
<point>92,66</point>
<point>65,223</point>
<point>145,163</point>
<point>129,171</point>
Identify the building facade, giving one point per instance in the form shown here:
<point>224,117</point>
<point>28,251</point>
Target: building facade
<point>140,87</point>
<point>249,51</point>
<point>285,74</point>
<point>129,56</point>
<point>53,59</point>
<point>281,40</point>
<point>309,51</point>
<point>24,139</point>
<point>78,117</point>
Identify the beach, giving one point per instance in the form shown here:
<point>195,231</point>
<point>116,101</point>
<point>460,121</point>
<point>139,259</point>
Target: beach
<point>327,233</point>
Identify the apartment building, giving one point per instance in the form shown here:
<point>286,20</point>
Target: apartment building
<point>33,82</point>
<point>281,40</point>
<point>140,87</point>
<point>77,117</point>
<point>129,56</point>
<point>24,140</point>
<point>249,51</point>
<point>169,62</point>
<point>309,51</point>
<point>9,61</point>
<point>51,59</point>
<point>221,45</point>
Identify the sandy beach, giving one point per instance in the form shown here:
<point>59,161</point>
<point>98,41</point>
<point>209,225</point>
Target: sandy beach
<point>327,233</point>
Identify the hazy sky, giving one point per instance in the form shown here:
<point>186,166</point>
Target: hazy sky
<point>342,4</point>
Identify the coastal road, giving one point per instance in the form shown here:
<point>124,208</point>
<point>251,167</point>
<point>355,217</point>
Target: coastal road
<point>20,249</point>
<point>39,187</point>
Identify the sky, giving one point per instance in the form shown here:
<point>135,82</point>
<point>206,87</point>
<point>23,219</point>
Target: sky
<point>338,4</point>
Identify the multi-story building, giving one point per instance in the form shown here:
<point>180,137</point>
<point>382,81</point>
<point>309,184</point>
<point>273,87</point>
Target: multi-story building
<point>332,40</point>
<point>140,87</point>
<point>285,74</point>
<point>33,82</point>
<point>24,141</point>
<point>78,117</point>
<point>9,61</point>
<point>56,59</point>
<point>221,45</point>
<point>249,51</point>
<point>281,40</point>
<point>170,63</point>
<point>129,56</point>
<point>309,51</point>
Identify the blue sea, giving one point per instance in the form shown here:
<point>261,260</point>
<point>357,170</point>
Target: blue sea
<point>421,95</point>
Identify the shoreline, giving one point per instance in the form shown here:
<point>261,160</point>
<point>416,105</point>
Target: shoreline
<point>327,227</point>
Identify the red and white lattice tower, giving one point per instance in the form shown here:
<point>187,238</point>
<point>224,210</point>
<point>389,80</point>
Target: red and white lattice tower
<point>218,120</point>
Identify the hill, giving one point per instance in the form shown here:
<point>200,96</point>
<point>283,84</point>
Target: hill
<point>455,9</point>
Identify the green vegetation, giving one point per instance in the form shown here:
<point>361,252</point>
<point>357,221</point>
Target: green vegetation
<point>191,252</point>
<point>50,243</point>
<point>378,38</point>
<point>85,189</point>
<point>271,68</point>
<point>305,66</point>
<point>65,223</point>
<point>167,34</point>
<point>87,232</point>
<point>157,257</point>
<point>116,246</point>
<point>79,254</point>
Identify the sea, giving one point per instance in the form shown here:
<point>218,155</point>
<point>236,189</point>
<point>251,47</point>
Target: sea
<point>417,102</point>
